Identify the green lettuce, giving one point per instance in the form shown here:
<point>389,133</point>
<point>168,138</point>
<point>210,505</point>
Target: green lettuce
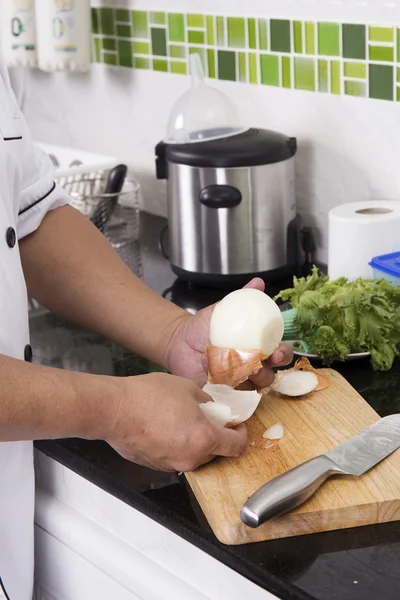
<point>337,318</point>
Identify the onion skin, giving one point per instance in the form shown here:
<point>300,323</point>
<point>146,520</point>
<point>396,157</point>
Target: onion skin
<point>241,404</point>
<point>275,432</point>
<point>303,364</point>
<point>295,383</point>
<point>232,367</point>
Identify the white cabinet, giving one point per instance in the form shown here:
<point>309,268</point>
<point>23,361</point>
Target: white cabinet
<point>62,574</point>
<point>92,546</point>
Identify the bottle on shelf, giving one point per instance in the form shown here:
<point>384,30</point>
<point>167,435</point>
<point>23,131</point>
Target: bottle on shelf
<point>63,31</point>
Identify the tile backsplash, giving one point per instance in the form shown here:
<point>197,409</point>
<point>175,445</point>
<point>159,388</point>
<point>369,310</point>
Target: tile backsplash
<point>337,58</point>
<point>323,71</point>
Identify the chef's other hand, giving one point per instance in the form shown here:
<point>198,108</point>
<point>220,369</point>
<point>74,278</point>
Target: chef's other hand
<point>158,424</point>
<point>187,357</point>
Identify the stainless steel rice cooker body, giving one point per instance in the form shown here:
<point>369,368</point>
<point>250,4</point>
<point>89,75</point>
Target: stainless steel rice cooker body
<point>231,205</point>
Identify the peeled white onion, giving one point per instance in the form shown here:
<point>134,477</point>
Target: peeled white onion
<point>247,319</point>
<point>230,407</point>
<point>295,383</point>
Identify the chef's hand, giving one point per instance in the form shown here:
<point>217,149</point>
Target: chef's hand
<point>187,357</point>
<point>158,424</point>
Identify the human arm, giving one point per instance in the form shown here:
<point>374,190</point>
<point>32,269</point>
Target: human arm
<point>153,420</point>
<point>71,268</point>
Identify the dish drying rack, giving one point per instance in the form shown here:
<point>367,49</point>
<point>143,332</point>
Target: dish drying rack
<point>83,176</point>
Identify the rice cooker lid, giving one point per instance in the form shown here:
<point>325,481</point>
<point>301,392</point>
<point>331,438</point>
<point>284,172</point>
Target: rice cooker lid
<point>252,147</point>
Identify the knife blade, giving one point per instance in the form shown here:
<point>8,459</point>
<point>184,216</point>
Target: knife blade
<point>354,457</point>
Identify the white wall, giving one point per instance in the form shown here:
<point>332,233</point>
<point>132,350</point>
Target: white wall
<point>349,148</point>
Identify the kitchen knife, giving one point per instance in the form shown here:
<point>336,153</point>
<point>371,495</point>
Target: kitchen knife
<point>355,456</point>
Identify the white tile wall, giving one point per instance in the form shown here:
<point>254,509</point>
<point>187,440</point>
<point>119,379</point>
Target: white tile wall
<point>349,148</point>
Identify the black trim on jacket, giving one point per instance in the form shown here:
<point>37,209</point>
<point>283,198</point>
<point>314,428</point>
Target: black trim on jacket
<point>24,210</point>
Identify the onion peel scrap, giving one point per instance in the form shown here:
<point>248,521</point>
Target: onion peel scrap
<point>232,367</point>
<point>300,380</point>
<point>229,407</point>
<point>303,364</point>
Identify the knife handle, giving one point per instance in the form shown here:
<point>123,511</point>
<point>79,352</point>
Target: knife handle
<point>287,491</point>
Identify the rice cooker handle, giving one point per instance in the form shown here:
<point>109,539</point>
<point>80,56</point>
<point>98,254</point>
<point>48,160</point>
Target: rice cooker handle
<point>220,196</point>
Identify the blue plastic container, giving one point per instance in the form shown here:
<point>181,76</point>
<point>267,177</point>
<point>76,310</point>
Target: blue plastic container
<point>387,267</point>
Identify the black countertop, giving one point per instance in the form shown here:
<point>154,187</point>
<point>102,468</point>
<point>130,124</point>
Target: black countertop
<point>353,564</point>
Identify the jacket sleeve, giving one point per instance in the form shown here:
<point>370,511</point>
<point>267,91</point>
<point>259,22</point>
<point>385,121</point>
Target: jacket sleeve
<point>38,191</point>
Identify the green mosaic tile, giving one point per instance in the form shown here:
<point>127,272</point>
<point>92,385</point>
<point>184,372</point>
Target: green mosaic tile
<point>176,51</point>
<point>113,28</point>
<point>398,44</point>
<point>109,59</point>
<point>109,44</point>
<point>329,39</point>
<point>140,25</point>
<point>176,27</point>
<point>381,82</point>
<point>353,41</point>
<point>310,38</point>
<point>269,68</point>
<point>236,32</point>
<point>125,53</point>
<point>141,48</point>
<point>107,21</point>
<point>298,36</point>
<point>252,63</point>
<point>280,35</point>
<point>335,77</point>
<point>195,20</point>
<point>380,34</point>
<point>157,18</point>
<point>286,74</point>
<point>211,63</point>
<point>304,73</point>
<point>210,31</point>
<point>95,20</point>
<point>178,67</point>
<point>122,15</point>
<point>381,53</point>
<point>160,65</point>
<point>355,70</point>
<point>252,33</point>
<point>141,63</point>
<point>221,41</point>
<point>226,65</point>
<point>97,49</point>
<point>196,37</point>
<point>323,76</point>
<point>124,31</point>
<point>355,88</point>
<point>158,42</point>
<point>263,34</point>
<point>242,67</point>
<point>398,94</point>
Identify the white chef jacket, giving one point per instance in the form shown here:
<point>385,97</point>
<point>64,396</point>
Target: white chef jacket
<point>27,192</point>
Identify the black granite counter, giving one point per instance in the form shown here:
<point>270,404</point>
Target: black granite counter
<point>353,564</point>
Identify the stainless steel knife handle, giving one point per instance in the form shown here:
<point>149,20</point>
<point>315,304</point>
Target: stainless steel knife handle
<point>287,491</point>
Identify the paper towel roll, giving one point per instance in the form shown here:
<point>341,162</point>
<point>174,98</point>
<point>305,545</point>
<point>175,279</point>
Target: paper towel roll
<point>358,232</point>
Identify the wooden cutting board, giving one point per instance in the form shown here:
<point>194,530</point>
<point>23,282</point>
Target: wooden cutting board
<point>313,426</point>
